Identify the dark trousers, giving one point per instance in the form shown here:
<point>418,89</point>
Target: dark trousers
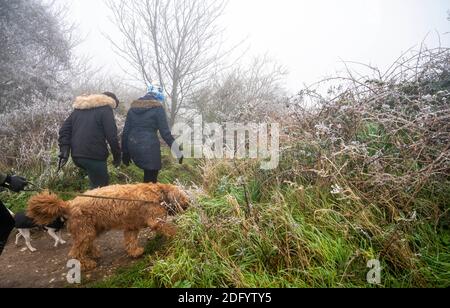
<point>151,176</point>
<point>97,171</point>
<point>6,225</point>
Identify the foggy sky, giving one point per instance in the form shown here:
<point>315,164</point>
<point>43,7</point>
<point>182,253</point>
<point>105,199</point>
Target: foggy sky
<point>309,37</point>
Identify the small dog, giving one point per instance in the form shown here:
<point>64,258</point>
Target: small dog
<point>25,224</point>
<point>129,208</point>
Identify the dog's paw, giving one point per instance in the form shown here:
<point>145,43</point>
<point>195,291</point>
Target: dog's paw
<point>33,249</point>
<point>88,265</point>
<point>62,242</point>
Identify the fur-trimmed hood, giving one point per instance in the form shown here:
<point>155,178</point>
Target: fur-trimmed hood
<point>146,104</point>
<point>93,101</point>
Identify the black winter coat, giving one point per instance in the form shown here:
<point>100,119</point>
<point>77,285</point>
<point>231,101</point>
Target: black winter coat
<point>89,127</point>
<point>140,136</point>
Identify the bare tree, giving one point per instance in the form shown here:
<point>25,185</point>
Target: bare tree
<point>176,43</point>
<point>244,93</point>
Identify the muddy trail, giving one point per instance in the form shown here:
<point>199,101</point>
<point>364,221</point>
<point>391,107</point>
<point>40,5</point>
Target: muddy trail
<point>47,267</point>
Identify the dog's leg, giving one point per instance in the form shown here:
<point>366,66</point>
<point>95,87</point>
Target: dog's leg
<point>53,234</point>
<point>94,252</point>
<point>167,229</point>
<point>154,224</point>
<point>18,236</point>
<point>27,235</point>
<point>82,242</point>
<point>61,241</point>
<point>132,243</point>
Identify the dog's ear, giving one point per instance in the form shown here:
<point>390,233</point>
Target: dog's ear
<point>174,197</point>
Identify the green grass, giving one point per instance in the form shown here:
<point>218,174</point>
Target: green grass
<point>283,243</point>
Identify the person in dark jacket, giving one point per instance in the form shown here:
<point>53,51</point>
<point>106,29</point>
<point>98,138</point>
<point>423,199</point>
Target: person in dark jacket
<point>15,184</point>
<point>140,141</point>
<point>85,134</point>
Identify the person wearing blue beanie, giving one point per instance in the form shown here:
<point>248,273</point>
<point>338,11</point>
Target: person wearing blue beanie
<point>140,141</point>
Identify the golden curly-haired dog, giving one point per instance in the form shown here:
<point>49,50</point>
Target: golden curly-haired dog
<point>89,217</point>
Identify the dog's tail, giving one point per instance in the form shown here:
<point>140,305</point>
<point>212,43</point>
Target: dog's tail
<point>46,208</point>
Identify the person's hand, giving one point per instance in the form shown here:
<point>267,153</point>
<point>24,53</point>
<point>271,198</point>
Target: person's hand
<point>16,183</point>
<point>126,159</point>
<point>63,157</point>
<point>177,152</point>
<point>62,162</point>
<point>117,162</point>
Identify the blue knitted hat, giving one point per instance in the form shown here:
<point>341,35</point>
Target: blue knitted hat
<point>156,91</point>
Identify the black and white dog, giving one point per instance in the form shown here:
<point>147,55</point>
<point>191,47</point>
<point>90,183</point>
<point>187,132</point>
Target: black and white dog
<point>24,225</point>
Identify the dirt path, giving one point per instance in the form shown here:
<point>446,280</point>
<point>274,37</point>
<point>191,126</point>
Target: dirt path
<point>46,268</point>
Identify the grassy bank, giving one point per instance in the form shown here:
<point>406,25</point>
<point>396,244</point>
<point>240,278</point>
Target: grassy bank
<point>240,234</point>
